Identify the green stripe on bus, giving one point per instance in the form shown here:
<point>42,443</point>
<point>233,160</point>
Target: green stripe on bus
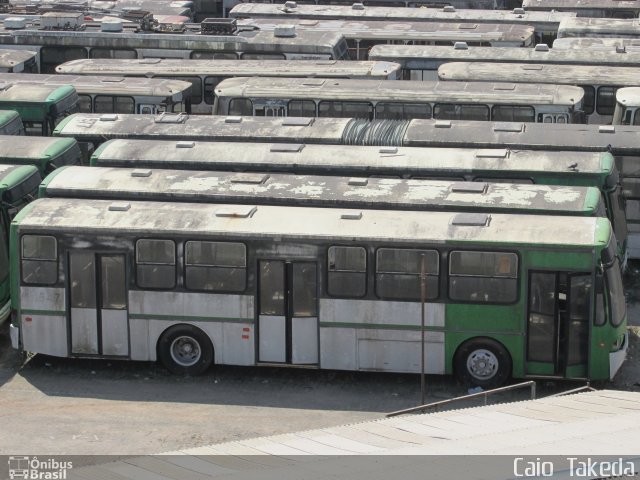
<point>189,318</point>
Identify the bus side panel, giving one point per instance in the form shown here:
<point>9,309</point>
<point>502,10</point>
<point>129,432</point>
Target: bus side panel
<point>379,335</point>
<point>43,320</point>
<point>221,316</point>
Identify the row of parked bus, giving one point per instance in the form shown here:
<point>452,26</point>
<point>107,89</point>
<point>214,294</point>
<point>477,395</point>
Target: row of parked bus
<point>320,242</point>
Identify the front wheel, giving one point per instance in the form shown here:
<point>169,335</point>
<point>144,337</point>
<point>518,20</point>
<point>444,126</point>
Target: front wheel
<point>482,362</point>
<point>186,350</point>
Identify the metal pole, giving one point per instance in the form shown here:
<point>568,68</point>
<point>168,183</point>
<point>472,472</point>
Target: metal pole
<point>423,297</point>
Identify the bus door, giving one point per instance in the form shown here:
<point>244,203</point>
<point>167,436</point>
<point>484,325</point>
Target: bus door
<point>97,290</point>
<point>558,323</point>
<point>287,312</point>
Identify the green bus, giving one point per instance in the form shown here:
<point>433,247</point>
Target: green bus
<point>41,107</point>
<point>18,186</point>
<point>10,123</point>
<point>45,153</point>
<point>196,284</point>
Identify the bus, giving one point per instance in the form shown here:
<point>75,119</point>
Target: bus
<point>107,94</point>
<point>587,8</point>
<point>198,284</point>
<point>260,188</point>
<point>10,123</point>
<point>371,99</point>
<point>18,61</point>
<point>361,35</point>
<point>44,153</point>
<point>627,106</point>
<point>18,186</point>
<point>204,75</point>
<point>245,9</point>
<point>599,27</point>
<point>599,85</point>
<point>56,46</point>
<point>422,62</point>
<point>40,107</point>
<point>545,24</point>
<point>610,44</point>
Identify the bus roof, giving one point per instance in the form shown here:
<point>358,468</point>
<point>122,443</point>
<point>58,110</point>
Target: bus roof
<point>404,91</point>
<point>11,175</point>
<point>238,221</point>
<point>628,46</point>
<point>415,56</point>
<point>34,92</point>
<point>107,85</point>
<point>301,11</point>
<point>275,68</point>
<point>576,6</point>
<point>598,27</point>
<point>540,73</point>
<point>9,59</point>
<point>262,157</point>
<point>321,191</point>
<point>33,149</point>
<point>10,123</point>
<point>629,96</point>
<point>406,30</point>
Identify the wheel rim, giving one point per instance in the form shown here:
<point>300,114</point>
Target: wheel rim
<point>482,364</point>
<point>185,351</point>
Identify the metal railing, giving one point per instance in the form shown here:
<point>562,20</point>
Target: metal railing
<point>531,384</point>
<point>584,388</point>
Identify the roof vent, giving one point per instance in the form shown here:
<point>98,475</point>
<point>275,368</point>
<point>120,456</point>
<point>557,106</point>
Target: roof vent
<point>119,207</point>
<point>109,117</point>
<point>313,82</point>
<point>15,23</point>
<point>286,147</point>
<point>138,172</point>
<point>442,124</point>
<point>532,67</point>
<point>471,220</point>
<point>504,86</point>
<point>111,25</point>
<point>290,5</point>
<point>252,178</point>
<point>518,11</point>
<point>492,153</point>
<point>460,46</point>
<point>607,129</point>
<point>298,122</point>
<point>508,127</point>
<point>284,31</point>
<point>233,119</point>
<point>237,211</point>
<point>388,150</point>
<point>358,182</point>
<point>619,48</point>
<point>448,8</point>
<point>357,6</point>
<point>184,144</point>
<point>469,187</point>
<point>218,26</point>
<point>149,61</point>
<point>351,215</point>
<point>541,47</point>
<point>168,117</point>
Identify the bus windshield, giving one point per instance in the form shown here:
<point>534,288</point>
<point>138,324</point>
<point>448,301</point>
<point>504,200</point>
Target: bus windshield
<point>617,307</point>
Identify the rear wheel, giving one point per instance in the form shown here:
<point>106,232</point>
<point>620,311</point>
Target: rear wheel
<point>186,350</point>
<point>482,362</point>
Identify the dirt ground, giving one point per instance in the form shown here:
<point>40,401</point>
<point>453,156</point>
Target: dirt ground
<point>62,406</point>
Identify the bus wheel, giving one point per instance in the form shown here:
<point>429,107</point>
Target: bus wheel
<point>482,362</point>
<point>186,350</point>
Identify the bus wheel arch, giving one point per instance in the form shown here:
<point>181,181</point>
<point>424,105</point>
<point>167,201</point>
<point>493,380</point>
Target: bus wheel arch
<point>185,350</point>
<point>482,362</point>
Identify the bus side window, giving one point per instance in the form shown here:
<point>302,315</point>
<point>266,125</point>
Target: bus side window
<point>483,277</point>
<point>450,111</point>
<point>240,106</point>
<point>347,271</point>
<point>39,260</point>
<point>155,264</point>
<point>209,88</point>
<point>606,102</point>
<point>84,105</point>
<point>301,108</point>
<point>215,266</point>
<point>512,113</point>
<point>398,272</point>
<point>402,111</point>
<point>589,101</point>
<point>346,109</point>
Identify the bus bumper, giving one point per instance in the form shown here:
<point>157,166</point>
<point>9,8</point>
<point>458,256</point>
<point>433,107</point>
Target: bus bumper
<point>5,311</point>
<point>616,358</point>
<point>14,332</point>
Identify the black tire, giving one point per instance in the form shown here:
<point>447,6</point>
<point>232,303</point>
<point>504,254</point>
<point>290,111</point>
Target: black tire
<point>185,350</point>
<point>482,362</point>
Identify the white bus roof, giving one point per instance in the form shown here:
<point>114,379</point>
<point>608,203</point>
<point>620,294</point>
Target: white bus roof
<point>540,73</point>
<point>598,27</point>
<point>622,46</point>
<point>578,5</point>
<point>400,91</point>
<point>321,191</point>
<point>629,96</point>
<point>276,68</point>
<point>10,58</point>
<point>50,215</point>
<point>368,159</point>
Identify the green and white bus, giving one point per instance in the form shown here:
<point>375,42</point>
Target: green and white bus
<point>18,186</point>
<point>197,284</point>
<point>45,153</point>
<point>10,123</point>
<point>41,107</point>
<point>163,185</point>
